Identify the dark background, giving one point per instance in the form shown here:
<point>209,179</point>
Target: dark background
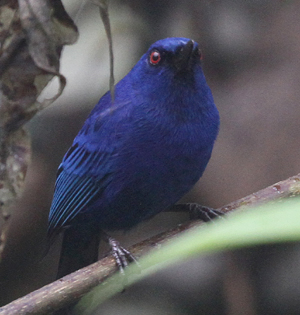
<point>251,60</point>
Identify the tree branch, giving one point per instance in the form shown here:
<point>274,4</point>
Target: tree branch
<point>70,288</point>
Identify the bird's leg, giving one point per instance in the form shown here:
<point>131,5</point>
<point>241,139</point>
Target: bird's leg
<point>196,211</point>
<point>122,256</point>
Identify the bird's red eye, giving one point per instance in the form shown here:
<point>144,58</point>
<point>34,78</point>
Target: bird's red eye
<point>155,57</point>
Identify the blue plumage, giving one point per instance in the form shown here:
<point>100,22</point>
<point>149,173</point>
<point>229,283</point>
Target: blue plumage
<point>140,154</point>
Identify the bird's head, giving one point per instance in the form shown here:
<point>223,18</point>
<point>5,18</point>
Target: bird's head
<point>169,77</point>
<point>178,54</point>
<point>169,64</point>
<point>170,72</point>
<point>169,58</point>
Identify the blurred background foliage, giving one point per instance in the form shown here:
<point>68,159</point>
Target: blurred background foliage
<point>251,60</point>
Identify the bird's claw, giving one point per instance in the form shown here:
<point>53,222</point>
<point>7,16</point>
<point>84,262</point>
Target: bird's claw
<point>203,213</point>
<point>121,255</point>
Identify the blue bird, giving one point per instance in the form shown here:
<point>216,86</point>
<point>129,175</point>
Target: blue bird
<point>137,155</point>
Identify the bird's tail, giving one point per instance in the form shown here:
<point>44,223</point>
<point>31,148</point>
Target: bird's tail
<point>79,249</point>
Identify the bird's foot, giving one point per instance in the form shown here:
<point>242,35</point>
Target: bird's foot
<point>121,255</point>
<point>197,211</point>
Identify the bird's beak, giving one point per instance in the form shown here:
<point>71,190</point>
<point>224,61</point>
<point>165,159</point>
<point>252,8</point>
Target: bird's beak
<point>182,58</point>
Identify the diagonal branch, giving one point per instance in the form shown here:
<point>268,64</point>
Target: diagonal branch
<point>70,288</point>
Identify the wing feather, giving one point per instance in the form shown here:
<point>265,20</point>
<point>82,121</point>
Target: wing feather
<point>77,184</point>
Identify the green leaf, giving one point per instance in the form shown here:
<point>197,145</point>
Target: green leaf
<point>271,223</point>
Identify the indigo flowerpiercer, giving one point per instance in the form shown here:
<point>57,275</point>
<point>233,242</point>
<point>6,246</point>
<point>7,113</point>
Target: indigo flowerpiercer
<point>137,155</point>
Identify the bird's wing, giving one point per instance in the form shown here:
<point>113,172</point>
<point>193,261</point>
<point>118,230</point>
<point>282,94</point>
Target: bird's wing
<point>79,181</point>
